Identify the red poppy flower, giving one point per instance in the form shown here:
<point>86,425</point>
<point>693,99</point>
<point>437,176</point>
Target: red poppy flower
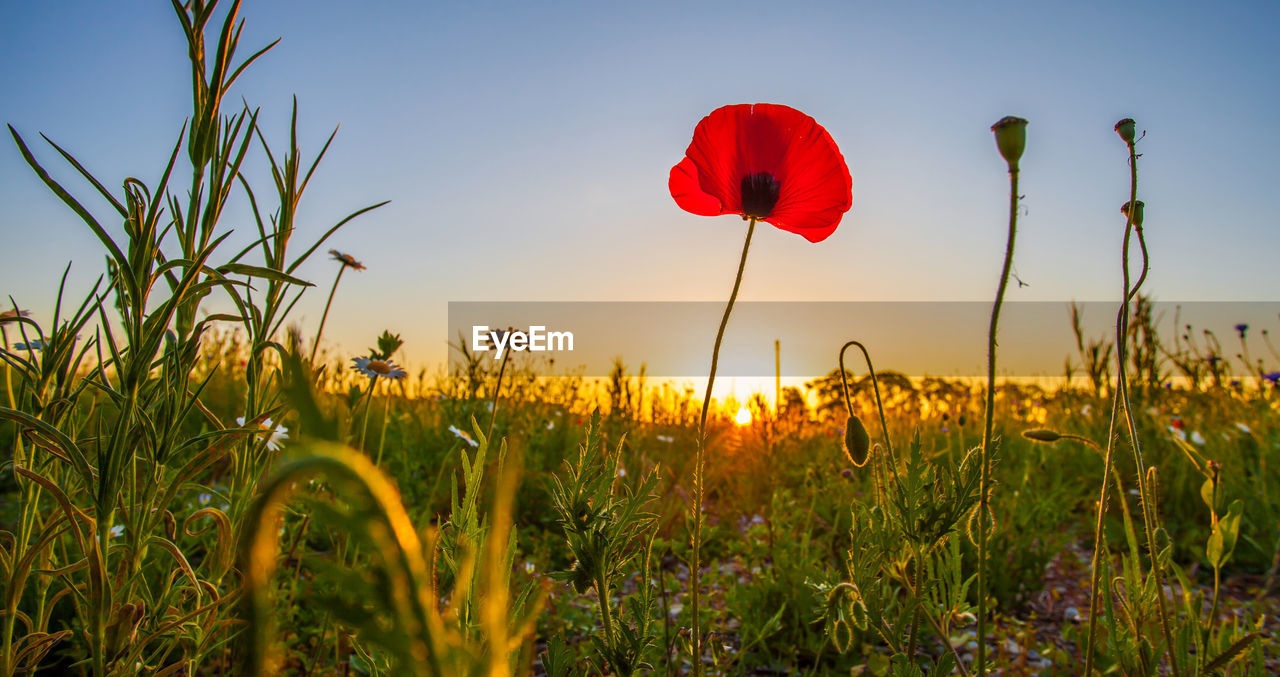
<point>768,162</point>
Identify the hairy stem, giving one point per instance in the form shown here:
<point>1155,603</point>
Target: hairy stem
<point>698,465</point>
<point>1122,386</point>
<point>989,425</point>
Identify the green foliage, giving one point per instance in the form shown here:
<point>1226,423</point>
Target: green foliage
<point>609,532</point>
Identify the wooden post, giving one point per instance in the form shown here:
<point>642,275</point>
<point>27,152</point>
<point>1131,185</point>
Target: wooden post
<point>777,377</point>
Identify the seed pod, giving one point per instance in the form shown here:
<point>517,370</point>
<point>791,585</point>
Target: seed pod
<point>1137,212</point>
<point>1011,139</point>
<point>857,443</point>
<point>1127,129</point>
<point>1042,435</point>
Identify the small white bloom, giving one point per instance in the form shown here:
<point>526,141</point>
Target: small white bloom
<point>463,436</point>
<point>1244,428</point>
<point>116,530</point>
<point>375,368</point>
<point>666,438</point>
<point>1087,410</point>
<point>622,472</point>
<point>550,425</point>
<point>1180,434</point>
<point>204,498</point>
<point>275,433</point>
<point>1197,438</point>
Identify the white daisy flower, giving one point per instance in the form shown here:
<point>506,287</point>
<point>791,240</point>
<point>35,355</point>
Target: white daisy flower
<point>378,368</point>
<point>116,530</point>
<point>463,436</point>
<point>275,434</point>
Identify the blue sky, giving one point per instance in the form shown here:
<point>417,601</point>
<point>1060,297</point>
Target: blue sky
<point>525,146</point>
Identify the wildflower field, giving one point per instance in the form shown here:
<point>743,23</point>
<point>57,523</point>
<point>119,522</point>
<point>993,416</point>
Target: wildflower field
<point>196,482</point>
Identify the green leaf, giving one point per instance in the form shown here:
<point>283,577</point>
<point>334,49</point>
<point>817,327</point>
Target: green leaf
<point>1232,652</point>
<point>1225,533</point>
<point>1207,495</point>
<point>261,272</point>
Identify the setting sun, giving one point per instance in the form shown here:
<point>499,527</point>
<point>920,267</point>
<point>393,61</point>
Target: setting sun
<point>743,417</point>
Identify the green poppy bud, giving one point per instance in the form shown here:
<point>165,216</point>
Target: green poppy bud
<point>857,443</point>
<point>1137,212</point>
<point>1041,435</point>
<point>1011,139</point>
<point>1128,130</point>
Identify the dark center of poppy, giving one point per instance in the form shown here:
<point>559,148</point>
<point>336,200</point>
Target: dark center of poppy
<point>759,194</point>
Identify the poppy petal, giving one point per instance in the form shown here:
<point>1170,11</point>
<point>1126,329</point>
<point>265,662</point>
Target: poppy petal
<point>688,194</point>
<point>738,141</point>
<point>816,186</point>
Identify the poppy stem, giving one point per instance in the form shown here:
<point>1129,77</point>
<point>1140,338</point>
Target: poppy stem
<point>698,466</point>
<point>989,425</point>
<point>325,315</point>
<point>1146,492</point>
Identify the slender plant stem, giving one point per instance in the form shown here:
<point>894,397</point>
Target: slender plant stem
<point>497,390</point>
<point>946,641</point>
<point>382,436</point>
<point>1099,536</point>
<point>891,462</point>
<point>917,592</point>
<point>606,614</point>
<point>695,571</point>
<point>1122,383</point>
<point>332,290</point>
<point>989,425</point>
<point>1213,613</point>
<point>368,402</point>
